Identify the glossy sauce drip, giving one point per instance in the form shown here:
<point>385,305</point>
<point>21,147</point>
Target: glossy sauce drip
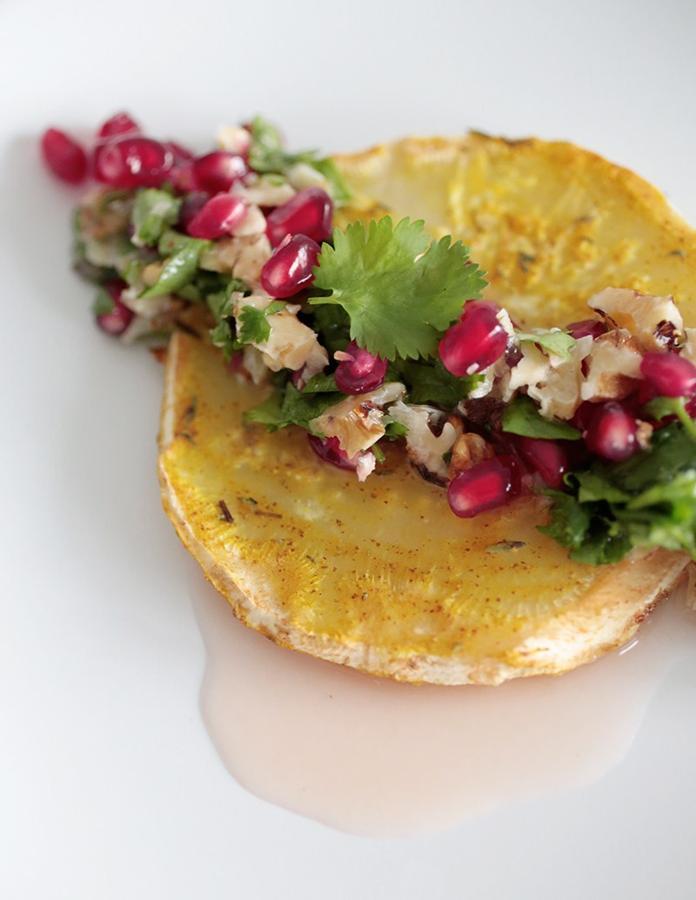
<point>377,758</point>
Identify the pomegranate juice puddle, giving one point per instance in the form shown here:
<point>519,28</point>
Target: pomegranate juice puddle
<point>377,758</point>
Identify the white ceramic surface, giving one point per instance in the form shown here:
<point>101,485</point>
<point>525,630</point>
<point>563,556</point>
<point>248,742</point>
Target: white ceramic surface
<point>109,785</point>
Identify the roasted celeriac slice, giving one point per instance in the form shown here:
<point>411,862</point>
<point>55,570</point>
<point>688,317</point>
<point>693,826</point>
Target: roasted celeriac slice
<point>379,575</point>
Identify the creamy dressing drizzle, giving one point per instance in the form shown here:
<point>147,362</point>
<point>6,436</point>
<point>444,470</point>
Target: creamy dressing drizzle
<point>376,758</point>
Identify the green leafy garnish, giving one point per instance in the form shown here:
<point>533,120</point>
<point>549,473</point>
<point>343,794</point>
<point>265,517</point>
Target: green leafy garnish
<point>400,290</point>
<point>333,327</point>
<point>661,407</point>
<point>291,407</point>
<point>428,381</point>
<point>103,303</point>
<point>179,269</point>
<point>522,417</point>
<point>223,337</point>
<point>253,323</point>
<point>153,212</point>
<point>646,501</point>
<point>320,384</point>
<point>559,343</point>
<point>394,430</point>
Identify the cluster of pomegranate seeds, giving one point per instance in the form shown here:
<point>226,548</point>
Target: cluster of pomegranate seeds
<point>669,375</point>
<point>359,370</point>
<point>546,457</point>
<point>612,432</point>
<point>475,342</point>
<point>120,123</point>
<point>119,318</point>
<point>309,212</point>
<point>132,162</point>
<point>64,156</point>
<point>485,486</point>
<point>217,171</point>
<point>289,270</point>
<point>217,217</point>
<point>329,450</point>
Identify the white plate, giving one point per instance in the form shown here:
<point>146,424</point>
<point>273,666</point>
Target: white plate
<point>109,785</point>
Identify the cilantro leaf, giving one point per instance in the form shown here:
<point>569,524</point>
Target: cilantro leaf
<point>153,211</point>
<point>320,384</point>
<point>179,269</point>
<point>428,381</point>
<point>661,407</point>
<point>291,407</point>
<point>103,303</point>
<point>253,323</point>
<point>400,290</point>
<point>522,417</point>
<point>333,327</point>
<point>223,337</point>
<point>266,153</point>
<point>646,501</point>
<point>557,342</point>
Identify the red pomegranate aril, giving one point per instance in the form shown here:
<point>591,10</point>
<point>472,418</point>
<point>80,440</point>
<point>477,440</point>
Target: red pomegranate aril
<point>329,449</point>
<point>131,162</point>
<point>547,457</point>
<point>592,327</point>
<point>309,212</point>
<point>64,156</point>
<point>289,270</point>
<point>181,154</point>
<point>482,487</point>
<point>475,342</point>
<point>611,432</point>
<point>361,372</point>
<point>218,171</point>
<point>119,318</point>
<point>515,470</point>
<point>691,408</point>
<point>191,205</point>
<point>219,216</point>
<point>669,374</point>
<point>119,123</point>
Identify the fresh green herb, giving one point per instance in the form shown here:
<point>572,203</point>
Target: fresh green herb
<point>557,342</point>
<point>379,453</point>
<point>291,407</point>
<point>266,153</point>
<point>661,407</point>
<point>153,212</point>
<point>223,337</point>
<point>647,501</point>
<point>522,417</point>
<point>171,241</point>
<point>179,269</point>
<point>253,323</point>
<point>394,430</point>
<point>103,303</point>
<point>400,290</point>
<point>320,384</point>
<point>333,327</point>
<point>430,382</point>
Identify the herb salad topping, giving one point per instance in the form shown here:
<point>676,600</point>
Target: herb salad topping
<point>376,333</point>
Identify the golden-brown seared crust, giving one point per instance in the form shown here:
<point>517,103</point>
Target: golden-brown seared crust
<point>378,575</point>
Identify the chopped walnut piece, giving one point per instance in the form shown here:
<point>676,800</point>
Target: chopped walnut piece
<point>643,434</point>
<point>613,366</point>
<point>468,450</point>
<point>655,322</point>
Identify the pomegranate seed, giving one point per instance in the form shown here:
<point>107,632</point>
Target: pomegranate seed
<point>120,317</point>
<point>119,123</point>
<point>219,216</point>
<point>475,342</point>
<point>309,212</point>
<point>218,171</point>
<point>484,486</point>
<point>515,470</point>
<point>611,432</point>
<point>691,408</point>
<point>182,178</point>
<point>191,205</point>
<point>360,372</point>
<point>64,156</point>
<point>592,327</point>
<point>329,449</point>
<point>548,458</point>
<point>130,162</point>
<point>669,375</point>
<point>290,268</point>
<point>181,154</point>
